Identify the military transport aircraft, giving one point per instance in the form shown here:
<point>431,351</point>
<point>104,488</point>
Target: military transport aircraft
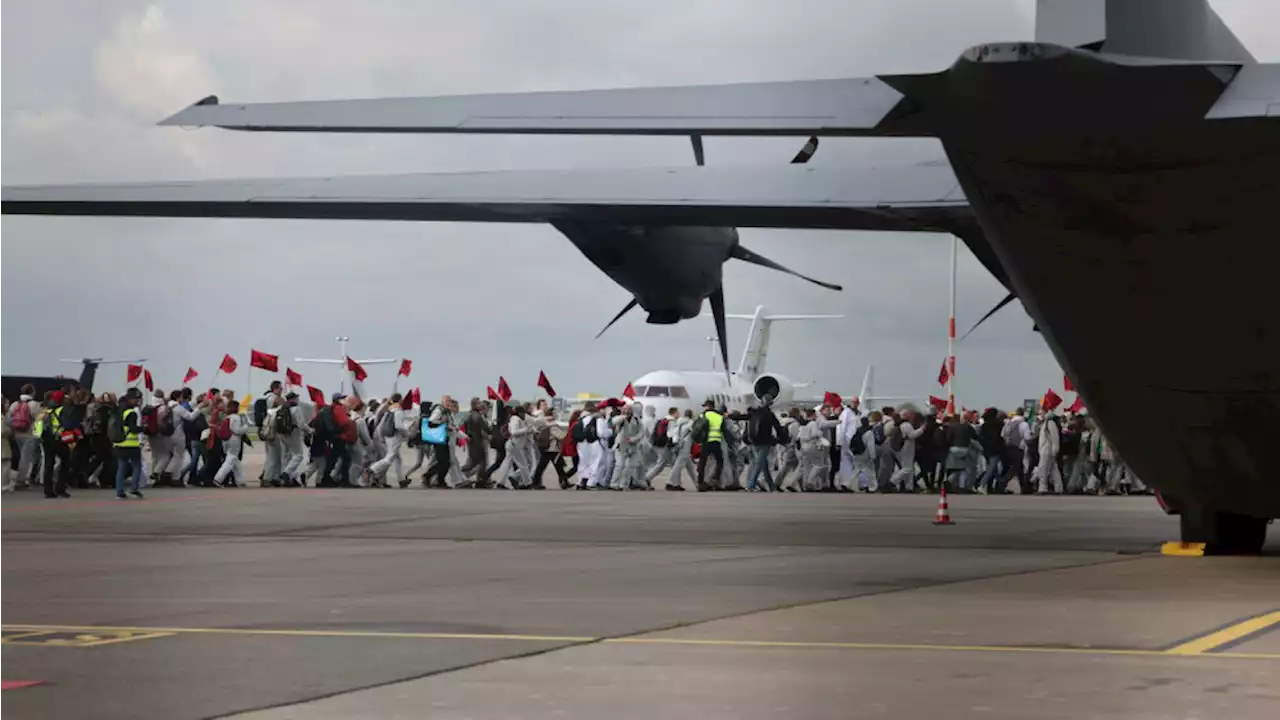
<point>1118,175</point>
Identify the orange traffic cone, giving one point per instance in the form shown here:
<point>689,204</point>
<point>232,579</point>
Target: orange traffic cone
<point>943,517</point>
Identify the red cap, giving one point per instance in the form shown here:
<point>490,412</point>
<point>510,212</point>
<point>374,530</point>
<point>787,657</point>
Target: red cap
<point>58,396</point>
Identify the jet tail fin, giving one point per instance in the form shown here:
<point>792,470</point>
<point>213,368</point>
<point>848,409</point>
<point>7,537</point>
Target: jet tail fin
<point>1178,29</point>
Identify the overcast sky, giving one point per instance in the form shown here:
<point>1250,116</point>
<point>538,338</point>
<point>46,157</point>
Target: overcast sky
<point>84,82</point>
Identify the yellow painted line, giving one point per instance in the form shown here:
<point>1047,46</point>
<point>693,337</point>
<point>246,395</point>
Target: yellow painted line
<point>22,636</point>
<point>1206,643</point>
<point>310,633</point>
<point>165,631</point>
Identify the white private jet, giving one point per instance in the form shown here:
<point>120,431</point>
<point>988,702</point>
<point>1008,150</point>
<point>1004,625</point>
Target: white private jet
<point>688,389</point>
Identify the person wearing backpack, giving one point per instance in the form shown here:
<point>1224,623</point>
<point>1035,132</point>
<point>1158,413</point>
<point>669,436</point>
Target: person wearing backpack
<point>660,439</point>
<point>583,433</point>
<point>231,431</point>
<point>125,434</point>
<point>291,428</point>
<point>546,438</point>
<point>21,417</point>
<point>498,442</point>
<point>709,432</point>
<point>476,426</point>
<point>907,431</point>
<point>850,426</point>
<point>57,452</point>
<point>788,451</point>
<point>392,426</point>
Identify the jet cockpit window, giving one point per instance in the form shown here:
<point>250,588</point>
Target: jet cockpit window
<point>655,391</point>
<point>641,390</point>
<point>679,392</point>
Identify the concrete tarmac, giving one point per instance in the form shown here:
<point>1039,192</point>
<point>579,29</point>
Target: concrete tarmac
<point>270,603</point>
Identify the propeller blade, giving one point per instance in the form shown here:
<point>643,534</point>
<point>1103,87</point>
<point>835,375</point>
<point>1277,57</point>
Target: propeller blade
<point>806,152</point>
<point>717,309</point>
<point>746,255</point>
<point>634,302</point>
<point>699,156</point>
<point>1007,299</point>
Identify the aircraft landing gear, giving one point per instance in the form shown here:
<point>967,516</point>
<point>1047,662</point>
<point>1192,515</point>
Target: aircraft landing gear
<point>1223,533</point>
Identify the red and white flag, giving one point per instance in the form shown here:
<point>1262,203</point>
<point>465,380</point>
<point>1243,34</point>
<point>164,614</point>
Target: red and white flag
<point>1051,400</point>
<point>291,377</point>
<point>406,367</point>
<point>146,380</point>
<point>416,396</point>
<point>545,384</point>
<point>493,394</point>
<point>263,361</point>
<point>191,375</point>
<point>228,365</point>
<point>1076,406</point>
<point>1066,383</point>
<point>944,374</point>
<point>938,402</point>
<point>629,392</point>
<point>133,373</point>
<point>504,390</point>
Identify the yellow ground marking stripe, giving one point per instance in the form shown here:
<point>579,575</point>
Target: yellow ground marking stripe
<point>163,631</point>
<point>1218,638</point>
<point>23,636</point>
<point>309,633</point>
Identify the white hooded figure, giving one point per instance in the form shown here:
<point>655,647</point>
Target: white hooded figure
<point>588,457</point>
<point>603,469</point>
<point>648,453</point>
<point>665,456</point>
<point>629,470</point>
<point>1047,472</point>
<point>239,426</point>
<point>788,454</point>
<point>864,463</point>
<point>815,452</point>
<point>680,430</point>
<point>903,478</point>
<point>850,421</point>
<point>520,447</point>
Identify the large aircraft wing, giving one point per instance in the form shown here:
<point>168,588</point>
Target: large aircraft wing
<point>856,106</point>
<point>895,197</point>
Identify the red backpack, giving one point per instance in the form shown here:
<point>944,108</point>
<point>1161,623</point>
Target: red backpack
<point>224,429</point>
<point>150,424</point>
<point>20,421</point>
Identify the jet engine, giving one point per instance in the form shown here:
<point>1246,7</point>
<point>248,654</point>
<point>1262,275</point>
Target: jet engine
<point>782,389</point>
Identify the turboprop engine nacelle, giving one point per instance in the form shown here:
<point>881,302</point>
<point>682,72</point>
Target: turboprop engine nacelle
<point>782,389</point>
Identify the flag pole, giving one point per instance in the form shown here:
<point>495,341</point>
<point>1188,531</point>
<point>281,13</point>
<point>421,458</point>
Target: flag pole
<point>342,378</point>
<point>951,333</point>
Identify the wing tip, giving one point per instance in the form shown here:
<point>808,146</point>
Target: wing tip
<point>176,118</point>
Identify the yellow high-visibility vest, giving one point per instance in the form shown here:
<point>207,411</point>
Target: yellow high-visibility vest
<point>131,439</point>
<point>714,422</point>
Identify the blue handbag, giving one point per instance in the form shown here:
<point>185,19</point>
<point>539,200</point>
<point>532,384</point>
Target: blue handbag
<point>438,435</point>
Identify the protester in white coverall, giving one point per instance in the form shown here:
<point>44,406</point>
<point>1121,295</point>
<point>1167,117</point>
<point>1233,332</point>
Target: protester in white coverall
<point>886,461</point>
<point>648,453</point>
<point>399,428</point>
<point>362,449</point>
<point>864,463</point>
<point>1047,472</point>
<point>680,430</point>
<point>788,453</point>
<point>911,427</point>
<point>293,442</point>
<point>850,421</point>
<point>28,444</point>
<point>604,464</point>
<point>815,450</point>
<point>180,413</point>
<point>629,454</point>
<point>520,448</point>
<point>665,456</point>
<point>588,457</point>
<point>239,425</point>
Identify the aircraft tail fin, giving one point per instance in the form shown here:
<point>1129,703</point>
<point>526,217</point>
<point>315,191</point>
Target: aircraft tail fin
<point>757,349</point>
<point>1177,29</point>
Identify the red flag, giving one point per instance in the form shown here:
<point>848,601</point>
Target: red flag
<point>545,384</point>
<point>291,377</point>
<point>406,402</point>
<point>416,396</point>
<point>629,392</point>
<point>270,363</point>
<point>146,374</point>
<point>504,390</point>
<point>1076,406</point>
<point>406,367</point>
<point>356,370</point>
<point>938,402</point>
<point>134,372</point>
<point>191,375</point>
<point>944,375</point>
<point>317,397</point>
<point>228,365</point>
<point>1051,400</point>
<point>493,395</point>
<point>1066,383</point>
<point>830,399</point>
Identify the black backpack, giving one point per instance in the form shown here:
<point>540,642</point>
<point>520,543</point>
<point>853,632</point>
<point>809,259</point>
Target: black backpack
<point>589,433</point>
<point>877,432</point>
<point>897,440</point>
<point>198,425</point>
<point>660,438</point>
<point>857,445</point>
<point>284,421</point>
<point>259,411</point>
<point>165,421</point>
<point>115,426</point>
<point>701,429</point>
<point>324,424</point>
